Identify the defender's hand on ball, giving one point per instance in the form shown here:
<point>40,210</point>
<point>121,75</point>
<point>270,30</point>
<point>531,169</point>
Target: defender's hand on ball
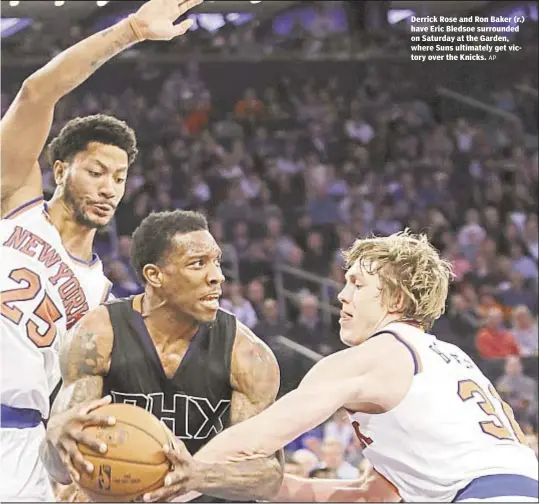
<point>182,477</point>
<point>66,429</point>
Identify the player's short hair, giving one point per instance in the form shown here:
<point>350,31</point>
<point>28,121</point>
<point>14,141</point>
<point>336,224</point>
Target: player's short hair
<point>410,268</point>
<point>75,136</point>
<point>153,237</point>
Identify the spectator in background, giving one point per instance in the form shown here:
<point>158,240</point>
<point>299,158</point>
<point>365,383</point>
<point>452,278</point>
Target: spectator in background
<point>306,459</point>
<point>316,259</point>
<point>123,285</point>
<point>524,265</point>
<point>493,340</point>
<point>519,391</point>
<point>332,454</point>
<point>309,329</point>
<point>531,237</point>
<point>249,107</point>
<point>236,304</point>
<point>525,331</point>
<point>487,302</point>
<point>471,234</point>
<point>256,295</point>
<point>464,323</point>
<point>515,294</point>
<point>270,325</point>
<point>339,428</point>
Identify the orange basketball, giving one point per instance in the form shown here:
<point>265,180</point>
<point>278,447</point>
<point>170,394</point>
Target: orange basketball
<point>134,463</point>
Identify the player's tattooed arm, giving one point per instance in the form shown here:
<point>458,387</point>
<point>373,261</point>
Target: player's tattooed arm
<point>84,360</point>
<point>255,381</point>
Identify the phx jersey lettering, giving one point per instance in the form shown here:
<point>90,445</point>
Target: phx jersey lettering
<point>44,291</point>
<point>195,402</point>
<point>451,428</point>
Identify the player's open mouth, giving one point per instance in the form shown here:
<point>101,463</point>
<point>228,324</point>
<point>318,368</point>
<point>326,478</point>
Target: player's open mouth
<point>345,316</point>
<point>211,301</point>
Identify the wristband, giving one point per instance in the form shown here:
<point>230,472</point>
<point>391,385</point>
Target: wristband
<point>135,27</point>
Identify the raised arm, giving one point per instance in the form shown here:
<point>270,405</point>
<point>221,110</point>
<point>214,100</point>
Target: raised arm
<point>26,125</point>
<point>84,360</point>
<point>255,383</point>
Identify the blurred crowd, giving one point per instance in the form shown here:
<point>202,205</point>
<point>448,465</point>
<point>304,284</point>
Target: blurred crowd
<point>290,174</point>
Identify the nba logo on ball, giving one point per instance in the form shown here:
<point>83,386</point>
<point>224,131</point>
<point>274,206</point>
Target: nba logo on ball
<point>104,477</point>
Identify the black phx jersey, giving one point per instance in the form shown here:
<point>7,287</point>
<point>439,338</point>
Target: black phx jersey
<point>195,402</point>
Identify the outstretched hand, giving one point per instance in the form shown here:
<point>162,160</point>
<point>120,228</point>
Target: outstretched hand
<point>65,432</point>
<point>155,19</point>
<point>182,477</point>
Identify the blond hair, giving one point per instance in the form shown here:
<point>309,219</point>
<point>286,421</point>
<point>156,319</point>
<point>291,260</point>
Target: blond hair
<point>411,272</point>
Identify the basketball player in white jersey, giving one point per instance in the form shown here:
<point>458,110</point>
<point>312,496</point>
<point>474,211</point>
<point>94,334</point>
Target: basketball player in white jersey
<point>48,275</point>
<point>431,424</point>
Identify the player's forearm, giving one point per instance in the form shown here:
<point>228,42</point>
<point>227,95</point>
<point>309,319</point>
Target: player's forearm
<point>53,464</point>
<point>264,434</point>
<point>297,489</point>
<point>256,479</point>
<point>74,65</point>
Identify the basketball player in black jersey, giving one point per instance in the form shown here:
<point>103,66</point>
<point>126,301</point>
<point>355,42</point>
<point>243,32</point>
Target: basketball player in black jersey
<point>173,352</point>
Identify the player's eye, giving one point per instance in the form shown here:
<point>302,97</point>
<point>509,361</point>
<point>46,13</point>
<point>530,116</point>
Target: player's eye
<point>358,286</point>
<point>94,173</point>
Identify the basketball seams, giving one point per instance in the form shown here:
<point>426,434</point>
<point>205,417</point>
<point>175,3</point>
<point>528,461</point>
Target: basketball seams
<point>161,467</point>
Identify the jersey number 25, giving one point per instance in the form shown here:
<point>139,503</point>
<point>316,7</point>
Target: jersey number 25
<point>46,309</point>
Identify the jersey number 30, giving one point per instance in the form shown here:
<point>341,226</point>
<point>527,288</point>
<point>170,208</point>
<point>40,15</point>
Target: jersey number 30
<point>468,389</point>
<point>46,310</point>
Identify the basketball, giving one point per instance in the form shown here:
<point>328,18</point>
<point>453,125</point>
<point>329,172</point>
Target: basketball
<point>134,463</point>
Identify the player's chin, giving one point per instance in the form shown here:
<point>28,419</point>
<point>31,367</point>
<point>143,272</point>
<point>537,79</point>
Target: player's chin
<point>98,221</point>
<point>207,315</point>
<point>347,336</point>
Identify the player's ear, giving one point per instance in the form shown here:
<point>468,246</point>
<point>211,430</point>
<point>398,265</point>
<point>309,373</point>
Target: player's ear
<point>153,275</point>
<point>59,168</point>
<point>396,302</point>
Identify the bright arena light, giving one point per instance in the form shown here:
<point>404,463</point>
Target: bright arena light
<point>102,3</point>
<point>59,3</point>
<point>14,3</point>
<point>255,1</point>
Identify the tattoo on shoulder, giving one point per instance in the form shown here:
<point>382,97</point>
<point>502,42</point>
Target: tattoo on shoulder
<point>82,355</point>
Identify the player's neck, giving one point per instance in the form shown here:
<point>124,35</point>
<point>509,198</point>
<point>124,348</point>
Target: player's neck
<point>164,324</point>
<point>78,240</point>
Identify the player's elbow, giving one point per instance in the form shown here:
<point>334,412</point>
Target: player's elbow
<point>36,91</point>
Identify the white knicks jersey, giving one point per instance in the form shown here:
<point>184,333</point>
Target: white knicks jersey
<point>450,428</point>
<point>44,291</point>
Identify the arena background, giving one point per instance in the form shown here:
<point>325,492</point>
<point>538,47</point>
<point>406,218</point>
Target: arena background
<point>298,126</point>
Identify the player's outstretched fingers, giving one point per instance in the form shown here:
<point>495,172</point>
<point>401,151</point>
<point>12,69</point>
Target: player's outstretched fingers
<point>66,460</point>
<point>95,419</point>
<point>92,405</point>
<point>77,460</point>
<point>90,441</point>
<point>187,5</point>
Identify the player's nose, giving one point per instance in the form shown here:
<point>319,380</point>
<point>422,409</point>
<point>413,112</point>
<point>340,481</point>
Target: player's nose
<point>107,188</point>
<point>215,275</point>
<point>342,296</point>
